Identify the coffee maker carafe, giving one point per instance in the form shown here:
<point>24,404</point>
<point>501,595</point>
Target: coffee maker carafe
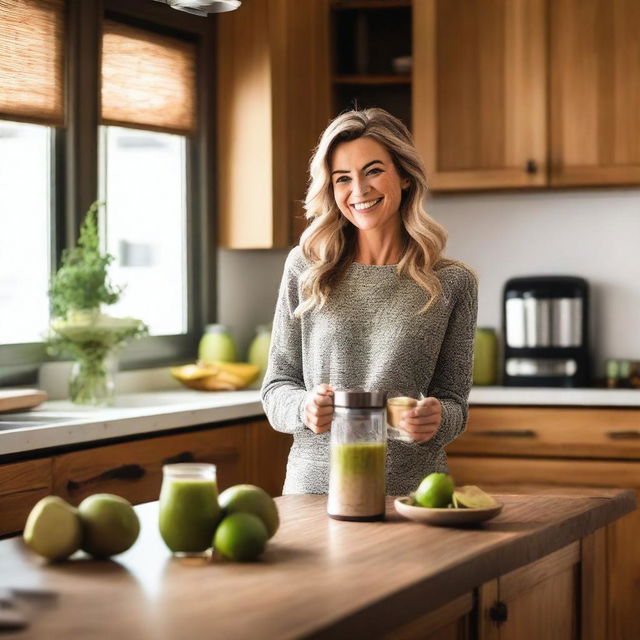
<point>545,332</point>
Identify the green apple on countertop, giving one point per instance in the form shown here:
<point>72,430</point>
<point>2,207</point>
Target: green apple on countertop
<point>103,525</point>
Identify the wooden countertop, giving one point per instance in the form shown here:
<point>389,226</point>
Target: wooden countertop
<point>318,578</point>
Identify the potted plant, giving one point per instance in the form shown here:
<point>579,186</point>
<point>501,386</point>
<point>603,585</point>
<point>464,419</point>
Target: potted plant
<point>78,327</point>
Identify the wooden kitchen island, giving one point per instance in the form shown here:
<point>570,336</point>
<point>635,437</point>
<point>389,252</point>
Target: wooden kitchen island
<point>538,570</point>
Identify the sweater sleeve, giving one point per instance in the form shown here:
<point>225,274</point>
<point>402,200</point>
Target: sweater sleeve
<point>283,389</point>
<point>452,378</point>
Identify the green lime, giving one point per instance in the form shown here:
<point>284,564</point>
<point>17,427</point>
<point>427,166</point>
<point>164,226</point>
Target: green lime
<point>247,498</point>
<point>472,497</point>
<point>240,537</point>
<point>435,491</point>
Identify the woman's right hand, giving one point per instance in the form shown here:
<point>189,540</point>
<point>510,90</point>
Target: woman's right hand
<point>318,408</point>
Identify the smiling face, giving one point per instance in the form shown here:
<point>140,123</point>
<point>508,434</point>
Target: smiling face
<point>366,185</point>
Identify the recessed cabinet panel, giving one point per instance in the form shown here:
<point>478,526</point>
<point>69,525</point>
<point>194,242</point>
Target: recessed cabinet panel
<point>479,92</point>
<point>595,92</point>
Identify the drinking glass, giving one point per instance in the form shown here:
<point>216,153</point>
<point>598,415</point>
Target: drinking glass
<point>189,509</point>
<point>397,403</point>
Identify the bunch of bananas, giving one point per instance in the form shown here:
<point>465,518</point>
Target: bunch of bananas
<point>216,376</point>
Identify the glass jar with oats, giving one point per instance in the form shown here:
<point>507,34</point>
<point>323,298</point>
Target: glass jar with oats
<point>358,456</point>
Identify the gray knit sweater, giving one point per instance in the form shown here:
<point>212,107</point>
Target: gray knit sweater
<point>368,336</point>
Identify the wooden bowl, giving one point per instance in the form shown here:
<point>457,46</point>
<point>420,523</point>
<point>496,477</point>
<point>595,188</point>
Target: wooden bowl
<point>444,517</point>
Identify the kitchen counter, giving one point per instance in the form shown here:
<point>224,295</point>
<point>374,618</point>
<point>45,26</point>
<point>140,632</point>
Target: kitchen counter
<point>64,423</point>
<point>67,424</point>
<point>544,396</point>
<point>318,578</point>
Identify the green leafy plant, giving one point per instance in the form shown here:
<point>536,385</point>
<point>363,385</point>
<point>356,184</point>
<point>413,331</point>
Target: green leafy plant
<point>82,283</point>
<point>77,292</point>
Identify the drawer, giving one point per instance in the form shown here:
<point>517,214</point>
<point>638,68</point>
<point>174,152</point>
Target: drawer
<point>521,474</point>
<point>133,470</point>
<point>22,484</point>
<point>551,431</point>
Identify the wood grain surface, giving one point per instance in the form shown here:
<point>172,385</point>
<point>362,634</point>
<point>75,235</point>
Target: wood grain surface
<point>319,577</point>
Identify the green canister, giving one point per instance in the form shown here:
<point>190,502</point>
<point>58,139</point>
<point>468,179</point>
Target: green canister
<point>217,345</point>
<point>485,357</point>
<point>259,352</point>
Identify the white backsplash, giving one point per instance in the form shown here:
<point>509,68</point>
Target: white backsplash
<point>591,233</point>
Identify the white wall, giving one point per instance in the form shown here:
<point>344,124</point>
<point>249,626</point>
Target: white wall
<point>594,234</point>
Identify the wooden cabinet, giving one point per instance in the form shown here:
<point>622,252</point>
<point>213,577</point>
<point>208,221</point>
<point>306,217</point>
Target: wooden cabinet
<point>249,452</point>
<point>527,93</point>
<point>22,484</point>
<point>273,103</point>
<point>519,448</point>
<point>133,470</point>
<point>595,92</point>
<point>535,601</point>
<point>479,92</point>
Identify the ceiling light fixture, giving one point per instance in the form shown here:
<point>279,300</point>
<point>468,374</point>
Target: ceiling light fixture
<point>203,7</point>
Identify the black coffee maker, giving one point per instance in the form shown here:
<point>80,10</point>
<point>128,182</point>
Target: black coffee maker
<point>546,332</point>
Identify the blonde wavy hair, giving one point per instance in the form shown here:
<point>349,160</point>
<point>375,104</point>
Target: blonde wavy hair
<point>329,241</point>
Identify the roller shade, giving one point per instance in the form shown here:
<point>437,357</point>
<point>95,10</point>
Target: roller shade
<point>32,61</point>
<point>148,80</point>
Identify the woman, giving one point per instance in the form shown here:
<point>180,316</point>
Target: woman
<point>367,301</point>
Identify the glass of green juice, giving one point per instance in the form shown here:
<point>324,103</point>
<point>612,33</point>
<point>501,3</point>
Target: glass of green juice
<point>189,509</point>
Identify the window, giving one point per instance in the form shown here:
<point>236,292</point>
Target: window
<point>148,82</point>
<point>31,105</point>
<point>143,182</point>
<point>25,206</point>
<point>136,77</point>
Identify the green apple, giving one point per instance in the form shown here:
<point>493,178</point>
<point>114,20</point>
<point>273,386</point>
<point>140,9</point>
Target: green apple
<point>53,529</point>
<point>110,525</point>
<point>247,498</point>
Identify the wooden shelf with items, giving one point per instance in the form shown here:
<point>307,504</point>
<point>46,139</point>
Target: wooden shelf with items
<point>371,56</point>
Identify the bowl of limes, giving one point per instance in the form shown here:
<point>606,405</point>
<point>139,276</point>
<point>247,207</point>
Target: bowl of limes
<point>438,501</point>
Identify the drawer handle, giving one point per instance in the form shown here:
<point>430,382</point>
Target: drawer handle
<point>514,433</point>
<point>123,472</point>
<point>185,456</point>
<point>624,435</point>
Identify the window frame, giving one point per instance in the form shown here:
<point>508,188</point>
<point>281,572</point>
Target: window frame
<point>75,173</point>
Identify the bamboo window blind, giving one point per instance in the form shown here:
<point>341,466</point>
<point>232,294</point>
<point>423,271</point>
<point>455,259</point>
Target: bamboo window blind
<point>148,80</point>
<point>32,61</point>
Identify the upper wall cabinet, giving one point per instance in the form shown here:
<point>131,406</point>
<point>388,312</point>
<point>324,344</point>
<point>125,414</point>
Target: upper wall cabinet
<point>527,93</point>
<point>273,103</point>
<point>479,92</point>
<point>595,92</point>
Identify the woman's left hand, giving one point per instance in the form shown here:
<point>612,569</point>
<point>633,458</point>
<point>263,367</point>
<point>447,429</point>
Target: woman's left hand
<point>423,420</point>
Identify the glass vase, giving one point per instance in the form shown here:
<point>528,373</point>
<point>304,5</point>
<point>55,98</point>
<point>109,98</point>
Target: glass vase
<point>92,380</point>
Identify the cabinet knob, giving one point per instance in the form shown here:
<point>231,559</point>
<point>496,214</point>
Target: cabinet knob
<point>498,612</point>
<point>531,167</point>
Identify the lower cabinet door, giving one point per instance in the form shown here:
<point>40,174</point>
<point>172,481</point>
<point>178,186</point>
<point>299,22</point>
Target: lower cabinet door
<point>623,550</point>
<point>133,470</point>
<point>539,600</point>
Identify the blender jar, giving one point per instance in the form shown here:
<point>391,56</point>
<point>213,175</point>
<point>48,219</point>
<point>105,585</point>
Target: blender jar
<point>358,456</point>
